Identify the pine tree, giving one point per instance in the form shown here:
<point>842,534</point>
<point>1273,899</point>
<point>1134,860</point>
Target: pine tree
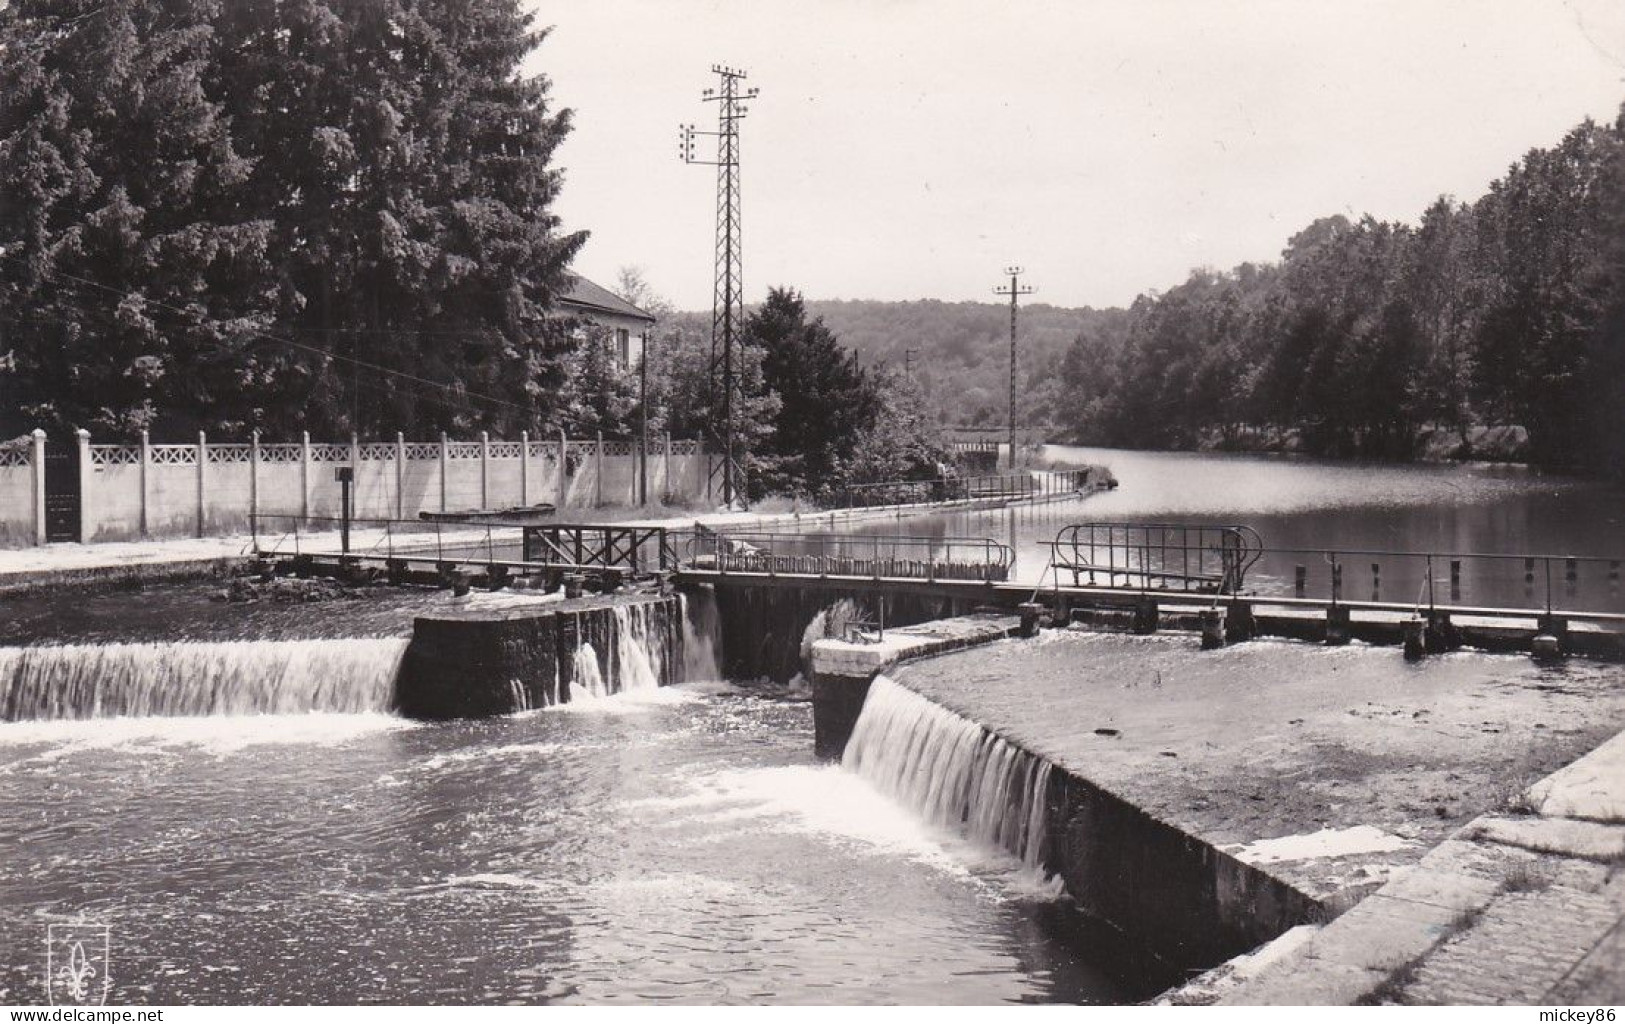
<point>129,273</point>
<point>826,401</point>
<point>280,214</point>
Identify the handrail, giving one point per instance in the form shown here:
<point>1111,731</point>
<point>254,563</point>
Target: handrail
<point>844,554</point>
<point>1210,559</point>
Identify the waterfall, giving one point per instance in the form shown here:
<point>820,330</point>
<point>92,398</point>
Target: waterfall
<point>634,638</point>
<point>954,772</point>
<point>587,680</point>
<point>256,677</point>
<point>702,637</point>
<point>640,647</point>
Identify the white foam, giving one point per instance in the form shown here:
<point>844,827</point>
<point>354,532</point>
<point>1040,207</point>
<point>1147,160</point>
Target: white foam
<point>221,734</point>
<point>1313,845</point>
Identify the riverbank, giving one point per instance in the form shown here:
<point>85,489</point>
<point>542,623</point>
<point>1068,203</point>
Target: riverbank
<point>1507,445</point>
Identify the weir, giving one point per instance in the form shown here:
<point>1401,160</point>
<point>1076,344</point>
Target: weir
<point>457,664</point>
<point>1165,901</point>
<point>495,662</point>
<point>188,679</point>
<point>951,770</point>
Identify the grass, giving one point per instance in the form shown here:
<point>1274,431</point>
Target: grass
<point>1391,990</point>
<point>1526,876</point>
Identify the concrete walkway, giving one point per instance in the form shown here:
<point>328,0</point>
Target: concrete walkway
<point>1525,908</point>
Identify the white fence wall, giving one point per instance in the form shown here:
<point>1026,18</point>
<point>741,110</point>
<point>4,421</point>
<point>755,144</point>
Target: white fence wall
<point>22,491</point>
<point>188,490</point>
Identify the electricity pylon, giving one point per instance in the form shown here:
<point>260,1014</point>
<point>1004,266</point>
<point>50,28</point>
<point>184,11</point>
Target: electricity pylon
<point>727,300</point>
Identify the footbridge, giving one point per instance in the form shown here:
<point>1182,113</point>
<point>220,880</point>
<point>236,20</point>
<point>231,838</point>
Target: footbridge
<point>1222,582</point>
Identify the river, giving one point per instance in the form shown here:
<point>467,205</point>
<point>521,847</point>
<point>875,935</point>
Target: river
<point>680,845</point>
<point>1300,506</point>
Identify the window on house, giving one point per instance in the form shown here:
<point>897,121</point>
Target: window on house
<point>623,346</point>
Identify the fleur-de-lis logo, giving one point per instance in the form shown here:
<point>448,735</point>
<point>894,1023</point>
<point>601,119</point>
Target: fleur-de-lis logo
<point>77,972</point>
<point>77,964</point>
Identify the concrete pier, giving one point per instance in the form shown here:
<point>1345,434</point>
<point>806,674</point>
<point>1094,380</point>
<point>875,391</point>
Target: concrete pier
<point>842,670</point>
<point>483,662</point>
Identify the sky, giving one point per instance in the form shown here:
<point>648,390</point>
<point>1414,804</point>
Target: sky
<point>906,149</point>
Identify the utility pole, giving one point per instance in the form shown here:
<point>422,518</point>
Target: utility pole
<point>908,362</point>
<point>727,300</point>
<point>1015,289</point>
<point>643,418</point>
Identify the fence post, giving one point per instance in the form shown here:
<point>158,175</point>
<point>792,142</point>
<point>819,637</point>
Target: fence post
<point>304,476</point>
<point>564,468</point>
<point>202,463</point>
<point>524,468</point>
<point>442,471</point>
<point>400,475</point>
<point>598,484</point>
<point>485,469</point>
<point>253,478</point>
<point>666,455</point>
<point>37,463</point>
<point>146,472</point>
<point>87,473</point>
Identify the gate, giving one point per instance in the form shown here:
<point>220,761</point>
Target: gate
<point>62,497</point>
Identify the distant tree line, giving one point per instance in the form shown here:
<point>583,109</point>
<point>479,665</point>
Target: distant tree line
<point>1507,310</point>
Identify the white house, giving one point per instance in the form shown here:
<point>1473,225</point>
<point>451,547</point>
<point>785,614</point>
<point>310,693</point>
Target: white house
<point>628,325</point>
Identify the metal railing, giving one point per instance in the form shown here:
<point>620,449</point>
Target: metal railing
<point>1167,556</point>
<point>295,534</point>
<point>1231,560</point>
<point>1012,486</point>
<point>1427,579</point>
<point>868,555</point>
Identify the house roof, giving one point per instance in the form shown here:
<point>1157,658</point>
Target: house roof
<point>584,295</point>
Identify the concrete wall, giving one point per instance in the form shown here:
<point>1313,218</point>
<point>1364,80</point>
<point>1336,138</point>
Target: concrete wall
<point>471,665</point>
<point>21,492</point>
<point>148,490</point>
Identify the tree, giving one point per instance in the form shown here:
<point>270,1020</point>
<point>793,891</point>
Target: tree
<point>133,267</point>
<point>825,401</point>
<point>292,214</point>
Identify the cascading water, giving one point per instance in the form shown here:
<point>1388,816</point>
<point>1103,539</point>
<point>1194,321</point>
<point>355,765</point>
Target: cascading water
<point>636,641</point>
<point>702,637</point>
<point>954,772</point>
<point>587,680</point>
<point>189,679</point>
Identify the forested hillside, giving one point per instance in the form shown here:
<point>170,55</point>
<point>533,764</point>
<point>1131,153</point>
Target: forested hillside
<point>962,349</point>
<point>1509,310</point>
